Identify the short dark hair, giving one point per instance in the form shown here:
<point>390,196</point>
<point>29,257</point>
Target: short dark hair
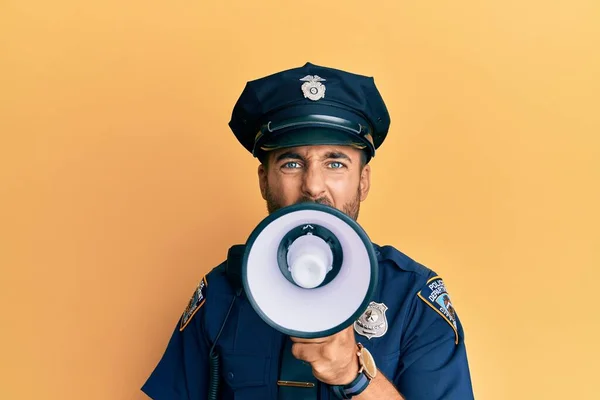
<point>363,158</point>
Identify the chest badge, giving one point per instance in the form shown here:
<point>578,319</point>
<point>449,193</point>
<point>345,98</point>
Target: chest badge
<point>373,322</point>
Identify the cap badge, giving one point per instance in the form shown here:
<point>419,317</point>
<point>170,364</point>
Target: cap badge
<point>312,87</point>
<point>373,322</point>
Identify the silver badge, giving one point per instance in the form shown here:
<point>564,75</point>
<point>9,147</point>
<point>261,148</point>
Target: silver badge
<point>373,322</point>
<point>312,87</point>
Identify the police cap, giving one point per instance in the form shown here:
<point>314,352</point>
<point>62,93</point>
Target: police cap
<point>310,105</point>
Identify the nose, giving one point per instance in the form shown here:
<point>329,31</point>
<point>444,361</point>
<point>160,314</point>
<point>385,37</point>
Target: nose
<point>313,184</point>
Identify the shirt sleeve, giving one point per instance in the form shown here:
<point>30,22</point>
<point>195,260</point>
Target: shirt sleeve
<point>183,370</point>
<point>434,363</point>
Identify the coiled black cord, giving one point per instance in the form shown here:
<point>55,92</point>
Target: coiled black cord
<point>213,387</point>
<point>214,358</point>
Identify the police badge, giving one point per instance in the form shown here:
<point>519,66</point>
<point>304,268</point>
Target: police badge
<point>313,88</point>
<point>373,322</point>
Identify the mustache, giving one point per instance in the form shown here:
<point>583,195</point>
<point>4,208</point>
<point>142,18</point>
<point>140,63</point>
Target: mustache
<point>321,200</point>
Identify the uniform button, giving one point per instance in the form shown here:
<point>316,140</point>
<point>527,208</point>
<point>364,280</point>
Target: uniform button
<point>230,375</point>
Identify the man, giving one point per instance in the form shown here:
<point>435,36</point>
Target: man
<point>314,130</point>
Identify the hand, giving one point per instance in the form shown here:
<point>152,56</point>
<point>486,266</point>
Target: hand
<point>333,358</point>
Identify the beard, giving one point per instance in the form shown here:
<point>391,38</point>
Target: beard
<point>350,208</point>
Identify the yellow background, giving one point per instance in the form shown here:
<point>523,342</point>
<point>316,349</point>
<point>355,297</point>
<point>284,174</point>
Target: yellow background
<point>121,184</point>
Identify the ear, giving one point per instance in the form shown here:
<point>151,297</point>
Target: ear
<point>262,180</point>
<point>365,182</point>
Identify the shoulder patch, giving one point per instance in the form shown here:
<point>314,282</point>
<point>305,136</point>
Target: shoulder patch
<point>197,300</point>
<point>435,295</point>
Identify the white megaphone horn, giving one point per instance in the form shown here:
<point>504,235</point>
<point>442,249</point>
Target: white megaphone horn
<point>308,270</point>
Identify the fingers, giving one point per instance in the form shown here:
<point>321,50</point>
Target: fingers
<point>311,349</point>
<point>345,333</point>
<point>311,341</point>
<point>332,361</point>
<point>329,351</point>
<point>307,352</point>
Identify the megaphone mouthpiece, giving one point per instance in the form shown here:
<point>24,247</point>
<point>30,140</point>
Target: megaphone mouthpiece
<point>308,271</point>
<point>309,260</point>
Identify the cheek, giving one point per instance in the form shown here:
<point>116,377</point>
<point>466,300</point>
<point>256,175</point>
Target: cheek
<point>285,187</point>
<point>342,182</point>
<point>342,188</point>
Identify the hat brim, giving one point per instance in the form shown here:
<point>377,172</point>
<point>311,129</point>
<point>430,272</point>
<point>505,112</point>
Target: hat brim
<point>313,136</point>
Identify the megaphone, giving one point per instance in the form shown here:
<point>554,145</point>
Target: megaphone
<point>309,270</point>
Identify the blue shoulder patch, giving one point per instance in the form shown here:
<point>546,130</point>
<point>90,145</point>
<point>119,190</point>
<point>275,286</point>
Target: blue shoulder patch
<point>197,300</point>
<point>435,295</point>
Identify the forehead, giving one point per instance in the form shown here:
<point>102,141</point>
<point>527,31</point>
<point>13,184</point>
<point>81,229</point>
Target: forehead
<point>317,151</point>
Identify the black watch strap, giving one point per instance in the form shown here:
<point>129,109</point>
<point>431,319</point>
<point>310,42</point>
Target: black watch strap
<point>354,388</point>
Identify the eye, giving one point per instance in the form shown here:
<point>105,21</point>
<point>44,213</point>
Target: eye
<point>291,165</point>
<point>336,165</point>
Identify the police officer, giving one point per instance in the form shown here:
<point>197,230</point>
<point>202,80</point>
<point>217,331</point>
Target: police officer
<point>314,130</point>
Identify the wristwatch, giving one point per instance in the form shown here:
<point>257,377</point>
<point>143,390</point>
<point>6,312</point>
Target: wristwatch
<point>367,370</point>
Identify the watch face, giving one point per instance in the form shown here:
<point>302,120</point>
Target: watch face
<point>368,362</point>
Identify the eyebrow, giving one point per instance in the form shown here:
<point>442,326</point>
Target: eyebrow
<point>336,155</point>
<point>289,155</point>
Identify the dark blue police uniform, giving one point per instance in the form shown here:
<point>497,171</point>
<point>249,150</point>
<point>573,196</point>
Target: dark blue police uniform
<point>410,327</point>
